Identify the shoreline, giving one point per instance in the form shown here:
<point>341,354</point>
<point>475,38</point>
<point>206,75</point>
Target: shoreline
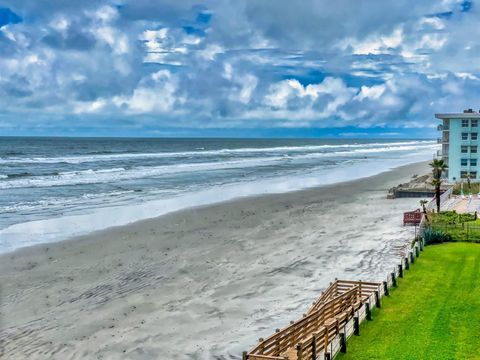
<point>196,207</point>
<point>200,282</point>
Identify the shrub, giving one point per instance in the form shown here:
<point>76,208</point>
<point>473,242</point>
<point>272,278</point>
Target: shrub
<point>451,217</point>
<point>431,236</point>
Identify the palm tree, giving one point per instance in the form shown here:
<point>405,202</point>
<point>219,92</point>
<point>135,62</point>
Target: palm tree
<point>422,204</point>
<point>437,183</point>
<point>438,167</point>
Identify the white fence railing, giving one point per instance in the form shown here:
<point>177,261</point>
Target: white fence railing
<point>432,205</point>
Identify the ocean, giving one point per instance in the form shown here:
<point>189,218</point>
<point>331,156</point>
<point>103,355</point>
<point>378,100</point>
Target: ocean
<point>55,188</point>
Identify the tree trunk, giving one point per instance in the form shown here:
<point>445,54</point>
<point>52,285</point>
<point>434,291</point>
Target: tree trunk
<point>437,197</point>
<point>425,212</point>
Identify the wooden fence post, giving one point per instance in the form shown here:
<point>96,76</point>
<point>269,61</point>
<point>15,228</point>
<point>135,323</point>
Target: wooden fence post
<point>314,347</point>
<point>368,312</point>
<point>299,352</point>
<point>400,270</point>
<point>394,280</point>
<point>343,343</point>
<point>385,288</point>
<point>417,251</point>
<point>356,326</point>
<point>412,258</point>
<point>327,356</point>
<point>325,340</point>
<point>407,265</point>
<point>377,298</point>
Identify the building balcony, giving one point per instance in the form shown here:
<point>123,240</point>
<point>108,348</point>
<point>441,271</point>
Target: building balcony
<point>442,141</point>
<point>443,128</point>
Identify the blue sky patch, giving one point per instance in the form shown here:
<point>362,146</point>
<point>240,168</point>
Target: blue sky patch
<point>7,16</point>
<point>204,18</point>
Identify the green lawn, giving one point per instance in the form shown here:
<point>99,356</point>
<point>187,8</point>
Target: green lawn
<point>433,314</point>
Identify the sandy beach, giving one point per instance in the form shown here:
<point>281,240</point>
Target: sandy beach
<point>201,283</point>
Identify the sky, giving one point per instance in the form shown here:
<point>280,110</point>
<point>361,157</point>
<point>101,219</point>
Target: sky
<point>277,68</point>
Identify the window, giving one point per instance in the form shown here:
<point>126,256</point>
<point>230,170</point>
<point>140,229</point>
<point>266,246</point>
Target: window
<point>473,149</point>
<point>473,136</point>
<point>463,174</point>
<point>473,174</point>
<point>464,136</point>
<point>474,123</point>
<point>473,162</point>
<point>464,149</point>
<point>464,122</point>
<point>464,162</point>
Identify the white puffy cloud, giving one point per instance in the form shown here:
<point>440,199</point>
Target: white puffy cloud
<point>289,99</point>
<point>210,52</point>
<point>248,84</point>
<point>82,107</point>
<point>370,92</point>
<point>376,43</point>
<point>155,94</point>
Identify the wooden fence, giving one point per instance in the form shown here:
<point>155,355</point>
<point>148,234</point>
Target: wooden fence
<point>336,315</point>
<point>339,287</point>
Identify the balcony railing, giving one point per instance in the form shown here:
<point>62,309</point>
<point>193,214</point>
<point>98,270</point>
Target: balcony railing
<point>442,141</point>
<point>443,128</point>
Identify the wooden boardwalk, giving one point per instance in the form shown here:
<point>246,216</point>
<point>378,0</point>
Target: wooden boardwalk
<point>328,317</point>
<point>323,330</point>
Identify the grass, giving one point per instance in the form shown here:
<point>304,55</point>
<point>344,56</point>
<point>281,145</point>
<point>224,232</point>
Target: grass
<point>433,314</point>
<point>452,217</point>
<point>462,227</point>
<point>473,189</point>
<point>465,233</point>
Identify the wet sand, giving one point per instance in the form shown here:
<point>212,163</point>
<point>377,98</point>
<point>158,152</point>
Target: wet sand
<point>202,283</point>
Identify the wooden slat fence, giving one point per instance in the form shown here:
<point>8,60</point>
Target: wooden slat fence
<point>319,326</point>
<point>339,287</point>
<point>331,318</point>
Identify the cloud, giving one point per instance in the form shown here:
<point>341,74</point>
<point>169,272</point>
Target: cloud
<point>315,101</point>
<point>371,92</point>
<point>237,63</point>
<point>155,94</point>
<point>376,44</point>
<point>248,84</point>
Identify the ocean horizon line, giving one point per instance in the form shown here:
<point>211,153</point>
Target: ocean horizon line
<point>244,137</point>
